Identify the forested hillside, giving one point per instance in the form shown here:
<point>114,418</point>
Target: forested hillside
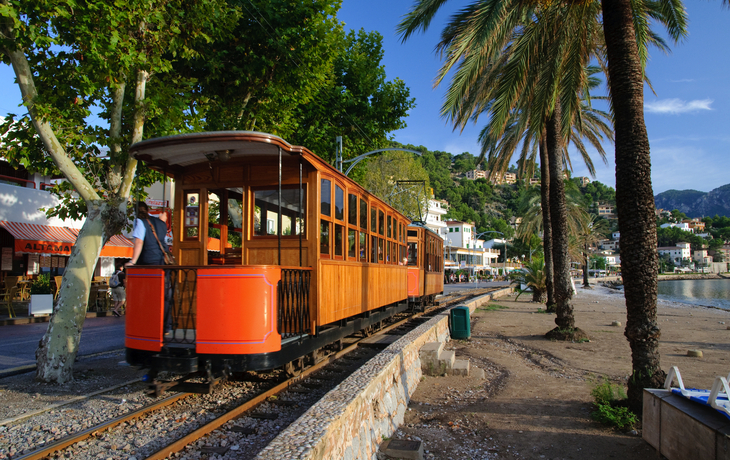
<point>489,206</point>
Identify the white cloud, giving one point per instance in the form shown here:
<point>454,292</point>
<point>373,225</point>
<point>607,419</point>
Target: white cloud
<point>677,106</point>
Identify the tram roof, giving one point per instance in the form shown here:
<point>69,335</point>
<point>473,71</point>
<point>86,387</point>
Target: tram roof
<point>182,150</point>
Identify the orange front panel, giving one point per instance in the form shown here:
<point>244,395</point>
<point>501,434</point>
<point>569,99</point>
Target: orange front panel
<point>414,282</point>
<point>237,310</point>
<point>145,304</point>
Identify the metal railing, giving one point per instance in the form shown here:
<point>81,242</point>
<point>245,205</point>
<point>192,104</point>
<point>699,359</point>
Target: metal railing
<point>180,304</point>
<point>294,319</point>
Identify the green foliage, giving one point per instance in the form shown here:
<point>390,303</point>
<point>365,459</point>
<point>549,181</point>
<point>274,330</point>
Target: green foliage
<point>382,173</point>
<point>356,102</point>
<point>532,275</point>
<point>41,285</point>
<point>608,399</point>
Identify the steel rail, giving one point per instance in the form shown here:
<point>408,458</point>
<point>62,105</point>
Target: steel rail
<point>216,423</point>
<point>49,449</point>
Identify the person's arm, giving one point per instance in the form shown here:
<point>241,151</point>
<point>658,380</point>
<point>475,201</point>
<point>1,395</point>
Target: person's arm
<point>138,239</point>
<point>136,251</point>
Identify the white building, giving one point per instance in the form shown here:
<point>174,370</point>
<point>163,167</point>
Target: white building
<point>681,225</point>
<point>476,174</point>
<point>434,219</point>
<point>677,253</point>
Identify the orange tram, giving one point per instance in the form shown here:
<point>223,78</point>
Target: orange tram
<point>280,256</point>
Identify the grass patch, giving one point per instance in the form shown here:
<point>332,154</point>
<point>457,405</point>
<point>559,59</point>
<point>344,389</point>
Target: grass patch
<point>610,400</point>
<point>493,307</point>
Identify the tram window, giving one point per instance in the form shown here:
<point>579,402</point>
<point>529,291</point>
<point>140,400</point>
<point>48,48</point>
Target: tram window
<point>363,215</point>
<point>225,217</point>
<point>390,227</point>
<point>352,209</point>
<point>326,189</point>
<point>266,212</point>
<point>351,243</point>
<point>381,250</point>
<point>387,252</point>
<point>192,215</point>
<point>339,203</point>
<point>413,254</point>
<point>324,237</point>
<point>374,248</point>
<point>363,247</point>
<point>338,240</point>
<point>373,220</point>
<point>381,220</point>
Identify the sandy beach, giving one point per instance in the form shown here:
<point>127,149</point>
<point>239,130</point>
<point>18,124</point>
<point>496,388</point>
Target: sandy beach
<point>535,401</point>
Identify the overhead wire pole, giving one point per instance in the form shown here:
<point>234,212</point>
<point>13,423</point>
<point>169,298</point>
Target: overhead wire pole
<point>504,269</point>
<point>339,161</point>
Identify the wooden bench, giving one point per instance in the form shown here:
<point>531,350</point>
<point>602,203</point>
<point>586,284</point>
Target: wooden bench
<point>682,429</point>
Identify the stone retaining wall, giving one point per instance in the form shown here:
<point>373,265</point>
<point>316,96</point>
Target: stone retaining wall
<point>352,420</point>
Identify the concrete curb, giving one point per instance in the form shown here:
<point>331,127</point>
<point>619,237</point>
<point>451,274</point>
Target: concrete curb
<point>46,318</point>
<point>352,420</point>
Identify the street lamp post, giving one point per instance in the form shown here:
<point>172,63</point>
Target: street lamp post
<point>504,269</point>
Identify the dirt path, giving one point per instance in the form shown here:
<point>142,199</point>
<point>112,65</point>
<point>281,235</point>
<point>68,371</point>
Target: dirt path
<point>535,401</point>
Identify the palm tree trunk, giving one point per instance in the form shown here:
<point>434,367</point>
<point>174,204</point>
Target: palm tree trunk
<point>559,219</point>
<point>585,267</point>
<point>547,231</point>
<point>634,199</point>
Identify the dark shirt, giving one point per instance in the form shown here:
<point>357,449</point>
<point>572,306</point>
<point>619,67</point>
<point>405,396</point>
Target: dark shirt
<point>151,253</point>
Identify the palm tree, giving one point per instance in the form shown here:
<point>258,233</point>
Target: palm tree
<point>627,35</point>
<point>589,123</point>
<point>512,57</point>
<point>626,57</point>
<point>532,275</point>
<point>589,231</point>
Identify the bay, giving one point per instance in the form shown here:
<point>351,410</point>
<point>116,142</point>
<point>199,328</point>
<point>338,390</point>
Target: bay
<point>713,293</point>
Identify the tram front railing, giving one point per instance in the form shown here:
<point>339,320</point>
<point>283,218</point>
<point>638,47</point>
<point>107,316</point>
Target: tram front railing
<point>294,305</point>
<point>180,304</point>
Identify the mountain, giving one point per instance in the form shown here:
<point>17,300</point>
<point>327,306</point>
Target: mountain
<point>695,203</point>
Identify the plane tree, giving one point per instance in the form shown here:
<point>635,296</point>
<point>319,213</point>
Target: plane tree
<point>83,70</point>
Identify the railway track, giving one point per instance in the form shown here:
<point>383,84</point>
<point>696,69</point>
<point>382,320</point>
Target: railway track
<point>250,417</point>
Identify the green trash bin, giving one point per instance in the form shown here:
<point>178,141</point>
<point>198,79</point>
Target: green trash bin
<point>459,322</point>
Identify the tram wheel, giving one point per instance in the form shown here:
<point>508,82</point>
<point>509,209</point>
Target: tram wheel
<point>294,368</point>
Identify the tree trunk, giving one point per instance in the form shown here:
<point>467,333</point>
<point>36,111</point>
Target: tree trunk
<point>559,220</point>
<point>634,199</point>
<point>57,349</point>
<point>586,264</point>
<point>547,231</point>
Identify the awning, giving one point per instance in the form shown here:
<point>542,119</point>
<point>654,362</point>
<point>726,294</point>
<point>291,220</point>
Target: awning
<point>51,240</point>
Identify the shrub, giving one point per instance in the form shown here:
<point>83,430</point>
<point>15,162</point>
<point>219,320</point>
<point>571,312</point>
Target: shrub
<point>610,400</point>
<point>41,285</point>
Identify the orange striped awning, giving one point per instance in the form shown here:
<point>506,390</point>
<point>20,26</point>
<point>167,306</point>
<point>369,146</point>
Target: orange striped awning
<point>48,239</point>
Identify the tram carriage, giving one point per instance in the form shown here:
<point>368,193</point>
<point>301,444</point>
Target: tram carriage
<point>279,256</point>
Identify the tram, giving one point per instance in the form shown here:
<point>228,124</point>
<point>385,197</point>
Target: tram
<point>280,255</point>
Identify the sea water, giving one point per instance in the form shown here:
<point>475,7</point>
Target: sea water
<point>713,293</point>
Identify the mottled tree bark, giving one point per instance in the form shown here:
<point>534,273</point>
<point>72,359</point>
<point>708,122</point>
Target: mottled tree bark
<point>547,231</point>
<point>559,220</point>
<point>634,199</point>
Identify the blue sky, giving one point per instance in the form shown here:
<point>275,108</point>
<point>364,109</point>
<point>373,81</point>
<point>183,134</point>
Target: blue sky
<point>687,119</point>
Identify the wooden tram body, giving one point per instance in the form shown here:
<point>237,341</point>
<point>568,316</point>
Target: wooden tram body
<point>302,256</point>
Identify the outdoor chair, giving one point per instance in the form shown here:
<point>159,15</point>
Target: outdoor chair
<point>57,279</point>
<point>9,293</point>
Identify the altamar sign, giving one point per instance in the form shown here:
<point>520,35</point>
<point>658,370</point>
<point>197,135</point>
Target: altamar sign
<point>42,247</point>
